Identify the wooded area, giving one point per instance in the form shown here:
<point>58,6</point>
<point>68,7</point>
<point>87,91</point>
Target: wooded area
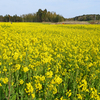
<point>40,16</point>
<point>86,17</point>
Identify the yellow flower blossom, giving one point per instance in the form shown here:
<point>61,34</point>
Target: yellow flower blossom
<point>17,66</point>
<point>79,96</point>
<point>29,89</point>
<point>54,90</point>
<point>5,80</point>
<point>21,81</point>
<point>68,93</point>
<point>0,63</point>
<point>0,84</point>
<point>12,83</point>
<point>4,69</point>
<point>25,69</point>
<point>38,86</point>
<point>33,96</point>
<point>58,80</point>
<point>49,74</point>
<point>16,55</point>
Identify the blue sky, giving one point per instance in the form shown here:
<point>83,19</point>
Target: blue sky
<point>66,8</point>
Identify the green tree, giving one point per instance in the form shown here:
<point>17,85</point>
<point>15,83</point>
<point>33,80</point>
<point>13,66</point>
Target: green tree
<point>1,18</point>
<point>6,18</point>
<point>15,18</point>
<point>44,13</point>
<point>39,15</point>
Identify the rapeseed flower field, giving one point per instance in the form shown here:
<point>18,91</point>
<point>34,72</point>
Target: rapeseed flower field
<point>49,62</point>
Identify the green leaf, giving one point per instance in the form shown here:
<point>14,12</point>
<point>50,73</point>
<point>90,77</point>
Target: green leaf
<point>20,91</point>
<point>6,92</point>
<point>13,97</point>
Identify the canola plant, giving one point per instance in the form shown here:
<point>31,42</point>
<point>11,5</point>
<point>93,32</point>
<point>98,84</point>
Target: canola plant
<point>49,62</point>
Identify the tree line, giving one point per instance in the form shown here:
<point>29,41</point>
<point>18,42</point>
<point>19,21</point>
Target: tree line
<point>40,16</point>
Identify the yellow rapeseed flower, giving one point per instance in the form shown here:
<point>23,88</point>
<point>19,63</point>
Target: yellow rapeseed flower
<point>0,63</point>
<point>33,95</point>
<point>58,80</point>
<point>79,96</point>
<point>5,80</point>
<point>29,89</point>
<point>25,69</point>
<point>12,83</point>
<point>38,86</point>
<point>21,81</point>
<point>17,66</point>
<point>0,84</point>
<point>4,69</point>
<point>16,55</point>
<point>49,74</point>
<point>54,90</point>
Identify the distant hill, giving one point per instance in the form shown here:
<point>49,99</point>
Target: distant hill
<point>86,17</point>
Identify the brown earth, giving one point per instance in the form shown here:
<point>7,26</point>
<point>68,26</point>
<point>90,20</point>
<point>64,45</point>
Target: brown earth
<point>67,22</point>
<point>73,22</point>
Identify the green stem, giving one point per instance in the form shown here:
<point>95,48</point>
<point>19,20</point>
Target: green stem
<point>5,94</point>
<point>9,84</point>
